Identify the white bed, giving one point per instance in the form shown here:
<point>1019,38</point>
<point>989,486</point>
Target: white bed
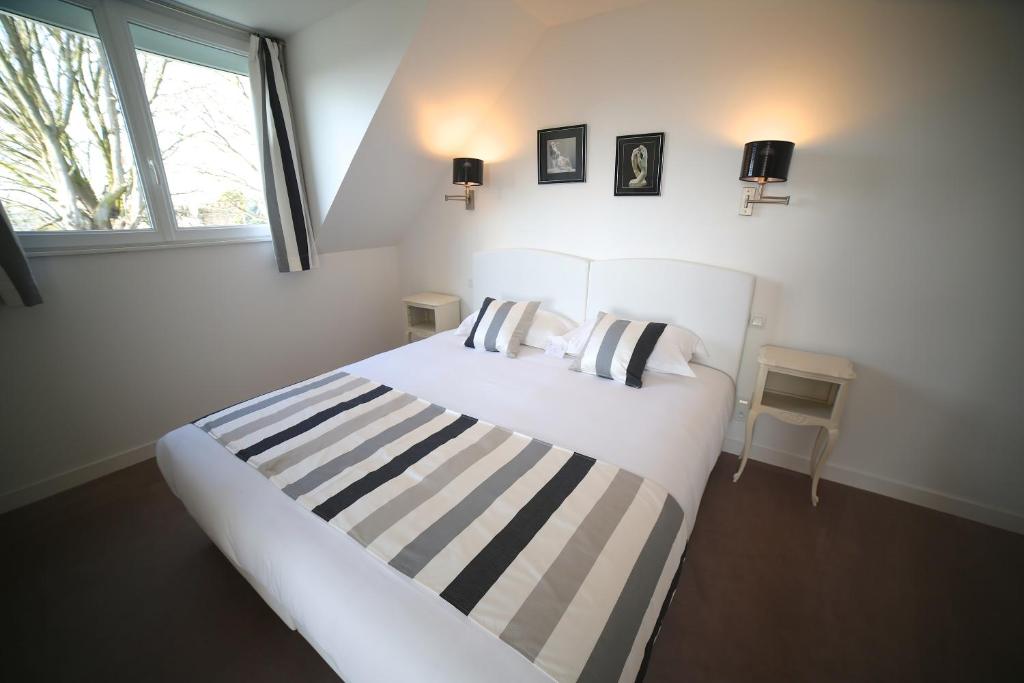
<point>371,623</point>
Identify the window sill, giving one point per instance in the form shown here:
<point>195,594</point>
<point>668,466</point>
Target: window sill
<point>33,252</point>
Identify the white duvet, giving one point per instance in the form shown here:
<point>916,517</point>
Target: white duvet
<point>370,622</point>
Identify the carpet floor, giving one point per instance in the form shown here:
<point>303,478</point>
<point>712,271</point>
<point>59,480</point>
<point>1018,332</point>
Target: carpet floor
<point>114,581</point>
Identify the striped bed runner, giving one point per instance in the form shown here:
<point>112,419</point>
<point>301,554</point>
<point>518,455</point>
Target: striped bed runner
<point>569,560</point>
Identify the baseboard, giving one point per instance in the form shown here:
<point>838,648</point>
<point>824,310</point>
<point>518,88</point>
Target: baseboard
<point>936,500</point>
<point>72,478</point>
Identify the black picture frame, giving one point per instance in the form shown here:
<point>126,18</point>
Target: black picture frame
<point>628,180</point>
<point>570,146</point>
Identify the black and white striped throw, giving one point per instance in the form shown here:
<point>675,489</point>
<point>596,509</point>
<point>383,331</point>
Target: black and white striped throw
<point>566,559</point>
<point>618,349</point>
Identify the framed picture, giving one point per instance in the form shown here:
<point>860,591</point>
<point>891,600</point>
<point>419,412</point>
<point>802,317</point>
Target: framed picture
<point>562,154</point>
<point>638,164</point>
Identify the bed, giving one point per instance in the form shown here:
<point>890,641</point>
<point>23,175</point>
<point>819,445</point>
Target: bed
<point>371,623</point>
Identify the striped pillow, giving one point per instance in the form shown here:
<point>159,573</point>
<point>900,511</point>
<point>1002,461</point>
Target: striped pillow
<point>501,325</point>
<point>618,349</point>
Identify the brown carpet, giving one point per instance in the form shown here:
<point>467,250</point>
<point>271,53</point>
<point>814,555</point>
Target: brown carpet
<point>114,581</point>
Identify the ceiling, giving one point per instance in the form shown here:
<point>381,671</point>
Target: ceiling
<point>554,12</point>
<point>276,17</point>
<point>283,17</point>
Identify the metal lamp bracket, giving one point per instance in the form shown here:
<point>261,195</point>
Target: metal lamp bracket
<point>468,196</point>
<point>756,195</point>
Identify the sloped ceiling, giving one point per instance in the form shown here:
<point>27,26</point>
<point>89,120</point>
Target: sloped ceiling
<point>555,12</point>
<point>268,16</point>
<point>339,71</point>
<point>461,58</point>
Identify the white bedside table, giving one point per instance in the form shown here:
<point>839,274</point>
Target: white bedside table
<point>428,313</point>
<point>801,388</point>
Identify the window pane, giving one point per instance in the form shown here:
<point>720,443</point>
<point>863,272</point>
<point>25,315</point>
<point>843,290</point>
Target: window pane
<point>204,124</point>
<point>66,162</point>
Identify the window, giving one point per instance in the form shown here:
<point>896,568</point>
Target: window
<point>204,122</point>
<point>125,126</point>
<point>65,159</point>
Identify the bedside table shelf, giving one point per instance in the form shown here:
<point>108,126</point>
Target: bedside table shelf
<point>418,332</point>
<point>428,313</point>
<point>797,404</point>
<point>800,388</point>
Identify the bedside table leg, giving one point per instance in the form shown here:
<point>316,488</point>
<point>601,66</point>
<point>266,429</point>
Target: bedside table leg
<point>819,462</point>
<point>818,448</point>
<point>751,419</point>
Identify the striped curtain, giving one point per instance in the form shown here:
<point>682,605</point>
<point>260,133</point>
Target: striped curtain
<point>287,208</point>
<point>17,286</point>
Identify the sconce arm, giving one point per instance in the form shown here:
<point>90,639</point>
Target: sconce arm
<point>756,195</point>
<point>761,198</point>
<point>766,199</point>
<point>468,197</point>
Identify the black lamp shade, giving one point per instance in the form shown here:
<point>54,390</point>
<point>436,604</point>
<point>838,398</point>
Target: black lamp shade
<point>466,171</point>
<point>766,161</point>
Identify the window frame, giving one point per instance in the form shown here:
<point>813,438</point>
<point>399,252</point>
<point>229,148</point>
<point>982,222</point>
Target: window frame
<point>112,19</point>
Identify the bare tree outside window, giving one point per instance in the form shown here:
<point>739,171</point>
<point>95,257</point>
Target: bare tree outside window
<point>207,135</point>
<point>65,159</point>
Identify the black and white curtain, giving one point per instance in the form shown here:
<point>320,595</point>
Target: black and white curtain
<point>17,286</point>
<point>287,208</point>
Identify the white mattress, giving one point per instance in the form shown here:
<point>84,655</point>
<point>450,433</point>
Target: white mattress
<point>372,623</point>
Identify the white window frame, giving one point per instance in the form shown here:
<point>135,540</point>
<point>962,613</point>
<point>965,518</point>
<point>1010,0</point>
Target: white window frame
<point>112,19</point>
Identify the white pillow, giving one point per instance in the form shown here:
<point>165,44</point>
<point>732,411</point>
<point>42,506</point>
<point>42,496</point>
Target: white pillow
<point>672,354</point>
<point>546,324</point>
<point>576,339</point>
<point>674,350</point>
<point>466,326</point>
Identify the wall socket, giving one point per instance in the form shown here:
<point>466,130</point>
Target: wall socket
<point>742,410</point>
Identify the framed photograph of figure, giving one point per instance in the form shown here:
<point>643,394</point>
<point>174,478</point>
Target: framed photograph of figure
<point>562,154</point>
<point>638,164</point>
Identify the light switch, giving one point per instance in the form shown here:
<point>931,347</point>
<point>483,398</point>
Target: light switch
<point>757,321</point>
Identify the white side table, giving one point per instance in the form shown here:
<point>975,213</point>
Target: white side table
<point>428,313</point>
<point>801,388</point>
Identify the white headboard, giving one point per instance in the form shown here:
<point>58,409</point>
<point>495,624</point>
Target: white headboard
<point>713,302</point>
<point>558,281</point>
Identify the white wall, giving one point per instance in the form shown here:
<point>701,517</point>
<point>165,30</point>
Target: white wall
<point>338,71</point>
<point>463,55</point>
<point>128,346</point>
<point>901,246</point>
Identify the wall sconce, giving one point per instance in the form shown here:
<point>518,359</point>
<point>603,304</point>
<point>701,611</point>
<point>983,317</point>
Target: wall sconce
<point>466,172</point>
<point>764,161</point>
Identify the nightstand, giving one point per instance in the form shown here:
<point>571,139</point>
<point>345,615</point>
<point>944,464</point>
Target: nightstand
<point>801,388</point>
<point>428,313</point>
